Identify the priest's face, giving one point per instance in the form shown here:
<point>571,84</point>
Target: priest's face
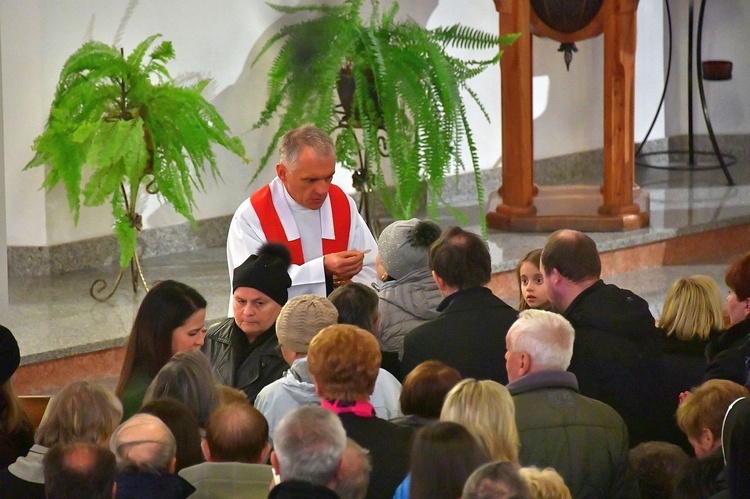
<point>254,312</point>
<point>308,180</point>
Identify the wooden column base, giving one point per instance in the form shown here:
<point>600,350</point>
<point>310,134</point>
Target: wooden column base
<point>578,207</point>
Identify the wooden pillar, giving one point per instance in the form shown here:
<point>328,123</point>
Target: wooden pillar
<point>517,190</point>
<point>619,107</point>
<point>519,204</point>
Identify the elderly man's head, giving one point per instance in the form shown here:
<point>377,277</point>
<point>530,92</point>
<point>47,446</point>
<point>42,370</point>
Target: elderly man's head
<point>538,341</point>
<point>309,445</point>
<point>144,443</point>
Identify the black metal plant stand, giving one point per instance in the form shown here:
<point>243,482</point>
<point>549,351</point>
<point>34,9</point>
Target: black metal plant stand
<point>724,160</point>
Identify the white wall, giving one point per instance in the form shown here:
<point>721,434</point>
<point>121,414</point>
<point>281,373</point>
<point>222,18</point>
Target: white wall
<point>222,37</point>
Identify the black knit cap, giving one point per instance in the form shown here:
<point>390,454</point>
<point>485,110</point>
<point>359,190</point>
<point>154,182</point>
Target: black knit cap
<point>266,271</point>
<point>10,355</point>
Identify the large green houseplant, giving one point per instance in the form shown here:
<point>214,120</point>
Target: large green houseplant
<point>406,103</point>
<point>120,126</point>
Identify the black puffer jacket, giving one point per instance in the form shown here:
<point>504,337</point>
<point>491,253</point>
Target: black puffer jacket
<point>617,357</point>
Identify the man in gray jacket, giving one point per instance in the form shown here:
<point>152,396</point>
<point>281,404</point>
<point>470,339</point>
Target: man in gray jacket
<point>585,440</point>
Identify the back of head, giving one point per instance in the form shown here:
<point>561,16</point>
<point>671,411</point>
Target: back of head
<point>294,141</point>
<point>184,427</point>
<point>187,377</point>
<point>486,409</point>
<point>302,318</point>
<point>707,405</point>
<point>446,450</point>
<point>354,474</point>
<point>461,259</point>
<point>308,445</point>
<point>165,307</point>
<point>573,254</point>
<point>546,337</point>
<point>345,362</point>
<point>657,466</point>
<point>497,480</point>
<point>692,308</point>
<point>144,443</point>
<point>425,388</point>
<point>738,277</point>
<point>80,469</point>
<point>404,246</point>
<point>357,305</point>
<point>545,484</point>
<point>80,412</point>
<point>237,433</point>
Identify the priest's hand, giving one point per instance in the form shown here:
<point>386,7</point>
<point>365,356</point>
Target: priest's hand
<point>344,264</point>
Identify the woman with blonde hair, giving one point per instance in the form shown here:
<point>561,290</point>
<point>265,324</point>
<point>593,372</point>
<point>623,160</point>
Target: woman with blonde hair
<point>486,409</point>
<point>692,313</point>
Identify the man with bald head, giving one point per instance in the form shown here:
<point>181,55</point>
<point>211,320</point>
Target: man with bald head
<point>235,448</point>
<point>80,469</point>
<point>617,354</point>
<point>145,450</point>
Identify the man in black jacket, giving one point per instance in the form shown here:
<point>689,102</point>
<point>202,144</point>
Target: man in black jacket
<point>617,355</point>
<point>469,333</point>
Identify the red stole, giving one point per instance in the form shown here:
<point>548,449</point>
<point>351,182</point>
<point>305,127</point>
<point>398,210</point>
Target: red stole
<point>262,202</point>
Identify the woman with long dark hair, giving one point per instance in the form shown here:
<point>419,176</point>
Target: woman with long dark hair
<point>171,319</point>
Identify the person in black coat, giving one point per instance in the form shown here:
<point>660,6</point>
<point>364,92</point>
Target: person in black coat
<point>469,334</point>
<point>618,351</point>
<point>729,351</point>
<point>692,314</point>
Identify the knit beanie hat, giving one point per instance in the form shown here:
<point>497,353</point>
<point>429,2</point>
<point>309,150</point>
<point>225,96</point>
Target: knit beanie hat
<point>10,355</point>
<point>266,271</point>
<point>404,245</point>
<point>301,319</point>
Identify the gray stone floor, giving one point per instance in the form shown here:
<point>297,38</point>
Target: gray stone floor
<point>53,317</point>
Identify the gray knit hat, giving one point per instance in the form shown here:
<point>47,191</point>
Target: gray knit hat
<point>404,245</point>
<point>301,319</point>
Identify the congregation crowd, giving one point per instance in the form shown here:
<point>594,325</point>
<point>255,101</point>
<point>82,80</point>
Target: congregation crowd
<point>353,368</point>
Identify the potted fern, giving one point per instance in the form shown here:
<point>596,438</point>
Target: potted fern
<point>120,126</point>
<point>406,103</point>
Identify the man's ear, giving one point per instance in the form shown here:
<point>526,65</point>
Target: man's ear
<point>281,171</point>
<point>439,281</point>
<point>206,451</point>
<point>114,490</point>
<point>275,463</point>
<point>264,453</point>
<point>525,364</point>
<point>173,465</point>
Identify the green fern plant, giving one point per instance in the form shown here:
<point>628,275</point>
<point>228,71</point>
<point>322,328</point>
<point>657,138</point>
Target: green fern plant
<point>407,103</point>
<point>120,124</point>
